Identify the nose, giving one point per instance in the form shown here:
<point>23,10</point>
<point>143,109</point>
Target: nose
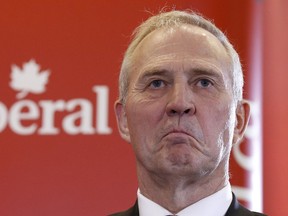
<point>180,101</point>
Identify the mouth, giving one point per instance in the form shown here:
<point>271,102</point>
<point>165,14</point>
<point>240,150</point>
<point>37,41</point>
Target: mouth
<point>177,132</point>
<point>177,137</point>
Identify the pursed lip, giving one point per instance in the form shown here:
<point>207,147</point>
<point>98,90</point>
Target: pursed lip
<point>176,137</point>
<point>177,131</point>
<point>179,137</point>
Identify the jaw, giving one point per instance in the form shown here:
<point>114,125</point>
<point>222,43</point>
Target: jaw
<point>175,192</point>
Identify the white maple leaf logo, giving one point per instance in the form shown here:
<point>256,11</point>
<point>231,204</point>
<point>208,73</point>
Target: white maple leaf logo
<point>30,79</point>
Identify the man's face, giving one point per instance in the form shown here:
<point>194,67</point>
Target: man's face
<point>179,113</point>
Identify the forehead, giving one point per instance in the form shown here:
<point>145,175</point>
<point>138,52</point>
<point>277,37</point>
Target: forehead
<point>178,45</point>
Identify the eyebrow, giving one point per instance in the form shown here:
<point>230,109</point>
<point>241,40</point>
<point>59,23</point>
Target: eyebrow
<point>209,72</point>
<point>154,72</point>
<point>197,71</point>
<point>216,74</point>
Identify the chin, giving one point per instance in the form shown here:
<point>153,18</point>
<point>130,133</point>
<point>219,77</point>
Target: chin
<point>179,160</point>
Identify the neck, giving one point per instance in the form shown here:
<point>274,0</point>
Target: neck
<point>177,192</point>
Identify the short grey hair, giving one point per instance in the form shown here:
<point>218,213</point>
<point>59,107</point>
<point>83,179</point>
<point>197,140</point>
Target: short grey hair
<point>171,19</point>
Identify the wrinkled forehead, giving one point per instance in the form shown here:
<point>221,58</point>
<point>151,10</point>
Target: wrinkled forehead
<point>180,43</point>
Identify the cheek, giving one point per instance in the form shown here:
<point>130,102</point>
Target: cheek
<point>142,121</point>
<point>218,123</point>
<point>142,133</point>
<point>226,129</point>
<point>144,110</point>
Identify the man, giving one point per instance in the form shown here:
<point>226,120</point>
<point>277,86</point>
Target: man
<point>181,108</point>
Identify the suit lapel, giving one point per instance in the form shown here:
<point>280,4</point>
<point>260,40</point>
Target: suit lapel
<point>133,211</point>
<point>235,209</point>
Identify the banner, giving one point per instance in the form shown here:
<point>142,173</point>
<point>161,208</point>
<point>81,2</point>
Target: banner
<point>61,153</point>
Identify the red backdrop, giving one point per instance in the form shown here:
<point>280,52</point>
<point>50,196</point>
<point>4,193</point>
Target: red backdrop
<point>60,149</point>
<point>275,106</point>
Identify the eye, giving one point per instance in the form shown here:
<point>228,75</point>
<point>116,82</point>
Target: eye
<point>156,84</point>
<point>204,83</point>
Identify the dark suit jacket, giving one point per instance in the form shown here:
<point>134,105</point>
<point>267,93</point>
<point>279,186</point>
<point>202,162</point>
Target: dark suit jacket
<point>235,209</point>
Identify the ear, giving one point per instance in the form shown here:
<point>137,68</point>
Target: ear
<point>122,120</point>
<point>242,119</point>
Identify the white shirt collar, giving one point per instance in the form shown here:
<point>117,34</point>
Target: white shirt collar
<point>214,205</point>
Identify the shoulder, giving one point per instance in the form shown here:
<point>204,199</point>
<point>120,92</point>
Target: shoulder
<point>246,212</point>
<point>133,211</point>
<point>236,209</point>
